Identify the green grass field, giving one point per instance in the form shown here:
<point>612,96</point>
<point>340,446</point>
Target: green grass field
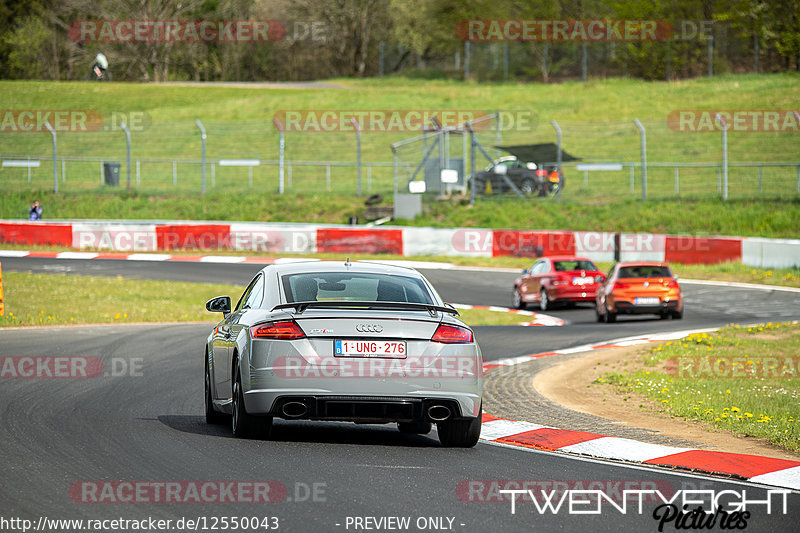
<point>596,118</point>
<point>76,300</point>
<point>745,380</point>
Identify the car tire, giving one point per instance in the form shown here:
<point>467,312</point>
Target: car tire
<point>212,416</point>
<point>460,433</point>
<point>243,424</point>
<point>544,301</point>
<point>663,316</point>
<point>419,428</point>
<point>597,314</point>
<point>528,186</point>
<point>516,299</point>
<point>677,315</point>
<point>610,317</point>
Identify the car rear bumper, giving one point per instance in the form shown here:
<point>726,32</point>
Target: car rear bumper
<point>315,405</point>
<point>572,294</point>
<point>629,308</point>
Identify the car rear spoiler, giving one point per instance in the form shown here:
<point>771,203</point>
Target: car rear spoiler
<point>431,308</point>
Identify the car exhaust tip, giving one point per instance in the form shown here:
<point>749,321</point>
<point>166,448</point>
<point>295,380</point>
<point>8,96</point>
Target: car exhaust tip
<point>294,409</point>
<point>437,413</point>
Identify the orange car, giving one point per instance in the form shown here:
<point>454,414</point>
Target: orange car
<point>639,288</point>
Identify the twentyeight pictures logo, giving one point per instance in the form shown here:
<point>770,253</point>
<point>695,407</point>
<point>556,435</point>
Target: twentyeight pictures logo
<point>190,31</point>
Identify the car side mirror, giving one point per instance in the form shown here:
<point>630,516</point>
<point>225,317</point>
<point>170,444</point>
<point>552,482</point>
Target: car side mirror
<point>220,304</point>
<point>675,277</point>
<point>524,271</point>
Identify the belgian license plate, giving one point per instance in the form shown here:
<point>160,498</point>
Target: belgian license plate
<point>581,281</point>
<point>368,348</point>
<point>646,301</point>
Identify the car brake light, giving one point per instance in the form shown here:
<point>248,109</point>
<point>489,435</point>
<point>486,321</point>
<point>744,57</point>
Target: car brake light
<point>287,330</point>
<point>672,284</point>
<point>619,285</point>
<point>447,334</point>
<point>541,172</point>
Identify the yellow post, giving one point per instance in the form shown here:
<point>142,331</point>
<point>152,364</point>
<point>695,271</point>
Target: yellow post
<point>2,306</point>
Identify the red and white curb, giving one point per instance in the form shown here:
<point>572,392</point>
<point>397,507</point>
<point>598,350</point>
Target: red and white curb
<point>755,468</point>
<point>538,319</point>
<point>765,470</point>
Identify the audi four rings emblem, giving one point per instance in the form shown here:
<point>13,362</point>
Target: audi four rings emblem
<point>369,328</point>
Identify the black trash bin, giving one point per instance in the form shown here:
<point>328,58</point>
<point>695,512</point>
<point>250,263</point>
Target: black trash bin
<point>111,173</point>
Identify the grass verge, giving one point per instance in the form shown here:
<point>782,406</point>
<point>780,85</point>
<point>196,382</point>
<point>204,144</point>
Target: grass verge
<point>95,299</point>
<point>748,218</point>
<point>745,380</point>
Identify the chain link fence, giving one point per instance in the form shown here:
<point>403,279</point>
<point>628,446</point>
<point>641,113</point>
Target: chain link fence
<point>243,156</point>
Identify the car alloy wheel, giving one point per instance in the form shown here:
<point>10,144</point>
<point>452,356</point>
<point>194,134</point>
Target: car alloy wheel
<point>544,301</point>
<point>527,187</point>
<point>516,299</point>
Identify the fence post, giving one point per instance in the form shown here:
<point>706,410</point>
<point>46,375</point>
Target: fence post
<point>760,176</point>
<point>354,122</point>
<point>466,60</point>
<point>55,157</point>
<point>677,183</point>
<point>643,135</point>
<point>128,151</point>
<point>281,148</point>
<point>797,183</point>
<point>584,60</point>
<point>724,156</point>
<point>471,162</point>
<point>505,61</point>
<point>394,167</point>
<point>755,53</point>
<point>558,155</point>
<point>710,56</point>
<point>202,154</point>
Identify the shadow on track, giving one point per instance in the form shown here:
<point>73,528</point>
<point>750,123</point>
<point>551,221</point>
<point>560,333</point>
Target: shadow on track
<point>311,432</point>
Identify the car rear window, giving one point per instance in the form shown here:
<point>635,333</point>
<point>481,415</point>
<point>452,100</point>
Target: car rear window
<point>566,266</point>
<point>362,287</point>
<point>645,271</point>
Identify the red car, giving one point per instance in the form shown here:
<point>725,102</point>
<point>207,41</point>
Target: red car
<point>637,288</point>
<point>557,279</point>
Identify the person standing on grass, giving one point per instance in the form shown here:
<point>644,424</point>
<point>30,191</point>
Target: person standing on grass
<point>35,211</point>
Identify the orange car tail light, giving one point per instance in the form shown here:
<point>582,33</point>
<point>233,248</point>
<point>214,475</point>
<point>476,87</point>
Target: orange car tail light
<point>447,334</point>
<point>287,330</point>
<point>672,284</point>
<point>619,285</point>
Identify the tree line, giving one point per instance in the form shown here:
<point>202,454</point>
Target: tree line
<point>317,39</point>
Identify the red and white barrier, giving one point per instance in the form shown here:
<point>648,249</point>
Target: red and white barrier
<point>406,241</point>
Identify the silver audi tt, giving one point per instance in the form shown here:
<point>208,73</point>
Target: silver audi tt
<point>361,342</point>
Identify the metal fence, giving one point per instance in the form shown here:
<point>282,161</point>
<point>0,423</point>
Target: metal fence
<point>246,155</point>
